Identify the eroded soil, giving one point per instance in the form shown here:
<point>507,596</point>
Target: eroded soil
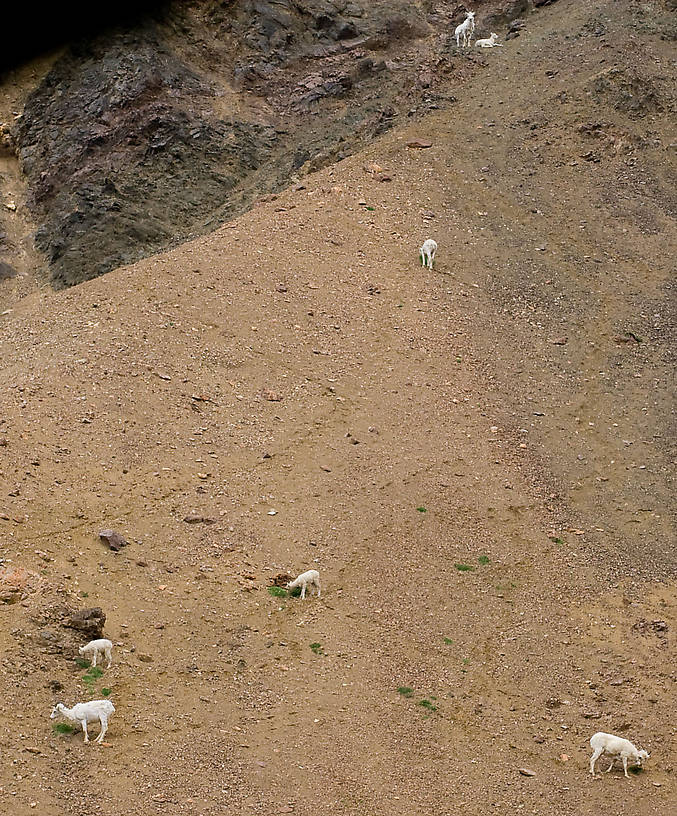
<point>510,412</point>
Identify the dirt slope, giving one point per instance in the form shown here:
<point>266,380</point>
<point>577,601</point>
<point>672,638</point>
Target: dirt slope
<point>509,411</point>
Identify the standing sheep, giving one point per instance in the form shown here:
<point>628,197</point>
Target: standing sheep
<point>83,713</point>
<point>96,647</point>
<point>602,743</point>
<point>427,253</point>
<point>309,578</point>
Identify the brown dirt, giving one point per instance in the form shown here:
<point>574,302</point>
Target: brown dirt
<point>135,400</point>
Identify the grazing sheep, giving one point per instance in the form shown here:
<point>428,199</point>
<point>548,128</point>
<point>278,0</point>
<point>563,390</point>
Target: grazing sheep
<point>490,42</point>
<point>602,743</point>
<point>465,29</point>
<point>309,578</point>
<point>83,713</point>
<point>96,647</point>
<point>427,253</point>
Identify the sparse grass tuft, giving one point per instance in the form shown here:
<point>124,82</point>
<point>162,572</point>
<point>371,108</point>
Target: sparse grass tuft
<point>464,567</point>
<point>483,559</point>
<point>278,592</point>
<point>82,663</point>
<point>422,509</point>
<point>90,677</point>
<point>106,692</point>
<point>317,648</point>
<point>62,728</point>
<point>557,540</point>
<point>427,704</point>
<point>405,691</point>
<point>448,641</point>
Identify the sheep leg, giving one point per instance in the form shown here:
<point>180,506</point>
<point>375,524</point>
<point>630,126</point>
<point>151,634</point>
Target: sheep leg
<point>318,589</point>
<point>109,655</point>
<point>303,591</point>
<point>625,766</point>
<point>432,260</point>
<point>94,654</point>
<point>83,724</point>
<point>610,766</point>
<point>595,756</point>
<point>104,727</point>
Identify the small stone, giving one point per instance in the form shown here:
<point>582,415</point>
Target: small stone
<point>419,143</point>
<point>114,540</point>
<point>560,341</point>
<point>271,396</point>
<point>145,658</point>
<point>526,772</point>
<point>89,621</point>
<point>196,518</point>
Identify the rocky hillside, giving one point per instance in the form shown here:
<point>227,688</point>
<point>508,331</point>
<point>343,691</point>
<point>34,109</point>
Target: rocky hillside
<point>479,460</point>
<point>167,125</point>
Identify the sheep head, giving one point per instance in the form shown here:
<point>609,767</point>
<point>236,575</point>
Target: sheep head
<point>56,711</point>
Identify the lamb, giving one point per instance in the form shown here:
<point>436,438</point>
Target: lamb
<point>465,29</point>
<point>602,743</point>
<point>309,578</point>
<point>427,253</point>
<point>490,42</point>
<point>83,713</point>
<point>95,647</point>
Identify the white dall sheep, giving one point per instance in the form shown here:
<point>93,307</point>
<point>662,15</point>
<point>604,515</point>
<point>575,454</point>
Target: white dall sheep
<point>96,647</point>
<point>309,578</point>
<point>465,30</point>
<point>427,253</point>
<point>83,713</point>
<point>489,42</point>
<point>602,743</point>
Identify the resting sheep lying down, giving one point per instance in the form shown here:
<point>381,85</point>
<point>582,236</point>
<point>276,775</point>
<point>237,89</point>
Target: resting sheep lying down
<point>602,743</point>
<point>96,647</point>
<point>489,42</point>
<point>83,713</point>
<point>309,578</point>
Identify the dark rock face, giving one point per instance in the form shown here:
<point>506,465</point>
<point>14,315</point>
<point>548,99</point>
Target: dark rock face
<point>124,156</point>
<point>155,132</point>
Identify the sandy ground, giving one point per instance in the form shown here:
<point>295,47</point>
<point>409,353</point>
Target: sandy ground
<point>476,459</point>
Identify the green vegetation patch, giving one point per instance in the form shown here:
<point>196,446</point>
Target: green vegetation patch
<point>405,691</point>
<point>464,567</point>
